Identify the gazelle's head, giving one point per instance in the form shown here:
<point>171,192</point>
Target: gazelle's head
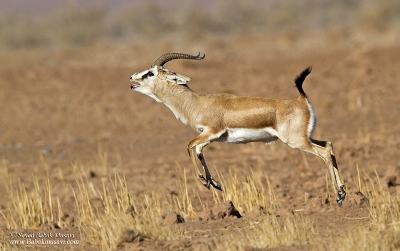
<point>145,81</point>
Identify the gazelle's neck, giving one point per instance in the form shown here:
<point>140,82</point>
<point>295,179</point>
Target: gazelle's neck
<point>179,99</point>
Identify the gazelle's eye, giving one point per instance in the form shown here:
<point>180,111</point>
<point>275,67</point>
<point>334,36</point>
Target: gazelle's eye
<point>148,74</point>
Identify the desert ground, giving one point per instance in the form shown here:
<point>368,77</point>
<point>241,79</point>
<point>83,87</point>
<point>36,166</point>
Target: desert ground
<point>83,154</point>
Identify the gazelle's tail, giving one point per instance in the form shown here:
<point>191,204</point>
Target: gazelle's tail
<point>300,79</point>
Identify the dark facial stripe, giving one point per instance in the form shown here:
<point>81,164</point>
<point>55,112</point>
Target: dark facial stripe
<point>148,74</point>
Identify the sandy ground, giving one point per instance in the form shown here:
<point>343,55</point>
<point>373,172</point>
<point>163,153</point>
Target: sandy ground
<point>65,107</point>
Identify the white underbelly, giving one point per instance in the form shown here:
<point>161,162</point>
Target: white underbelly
<point>243,135</point>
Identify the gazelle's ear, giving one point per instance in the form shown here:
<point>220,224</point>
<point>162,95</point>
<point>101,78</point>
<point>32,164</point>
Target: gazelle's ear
<point>178,79</point>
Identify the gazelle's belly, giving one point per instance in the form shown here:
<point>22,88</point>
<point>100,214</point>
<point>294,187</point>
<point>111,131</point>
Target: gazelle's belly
<point>244,135</point>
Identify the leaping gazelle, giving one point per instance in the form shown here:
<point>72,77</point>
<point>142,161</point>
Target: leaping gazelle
<point>236,119</point>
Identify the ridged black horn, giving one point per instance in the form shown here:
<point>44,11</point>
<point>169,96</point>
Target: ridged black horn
<point>171,56</point>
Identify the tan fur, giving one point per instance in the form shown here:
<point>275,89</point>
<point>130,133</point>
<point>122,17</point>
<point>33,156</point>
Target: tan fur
<point>216,115</point>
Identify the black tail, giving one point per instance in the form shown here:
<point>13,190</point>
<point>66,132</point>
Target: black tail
<point>300,79</point>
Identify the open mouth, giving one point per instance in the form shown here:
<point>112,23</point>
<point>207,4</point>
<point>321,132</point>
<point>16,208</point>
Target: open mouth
<point>134,86</point>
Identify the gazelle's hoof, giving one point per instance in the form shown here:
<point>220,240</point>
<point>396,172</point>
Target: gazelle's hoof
<point>217,186</point>
<point>207,185</point>
<point>341,197</point>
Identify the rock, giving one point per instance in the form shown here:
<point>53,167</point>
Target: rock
<point>282,212</point>
<point>313,204</point>
<point>46,151</point>
<point>49,226</point>
<point>130,210</point>
<point>173,218</point>
<point>361,199</point>
<point>67,221</point>
<point>130,235</point>
<point>220,211</point>
<point>256,212</point>
<point>392,178</point>
<point>17,145</point>
<point>391,181</point>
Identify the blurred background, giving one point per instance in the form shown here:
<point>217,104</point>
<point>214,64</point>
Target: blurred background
<point>55,23</point>
<point>67,110</point>
<point>66,64</point>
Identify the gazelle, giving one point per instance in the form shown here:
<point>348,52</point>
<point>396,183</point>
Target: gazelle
<point>236,119</point>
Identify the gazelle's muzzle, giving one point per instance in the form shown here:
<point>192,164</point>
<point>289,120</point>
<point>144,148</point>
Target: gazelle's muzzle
<point>135,84</point>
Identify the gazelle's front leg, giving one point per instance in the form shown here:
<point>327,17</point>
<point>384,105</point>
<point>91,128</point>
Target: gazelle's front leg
<point>200,176</point>
<point>197,145</point>
<point>209,178</point>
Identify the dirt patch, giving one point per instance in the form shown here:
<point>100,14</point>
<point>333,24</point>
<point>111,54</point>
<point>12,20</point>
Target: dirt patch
<point>58,119</point>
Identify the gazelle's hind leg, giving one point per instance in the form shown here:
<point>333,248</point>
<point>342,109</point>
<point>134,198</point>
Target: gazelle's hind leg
<point>324,150</point>
<point>329,146</point>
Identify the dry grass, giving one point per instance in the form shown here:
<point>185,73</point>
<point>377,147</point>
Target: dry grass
<point>384,228</point>
<point>33,209</point>
<point>109,215</point>
<point>269,231</point>
<point>247,194</point>
<point>30,209</point>
<point>117,215</point>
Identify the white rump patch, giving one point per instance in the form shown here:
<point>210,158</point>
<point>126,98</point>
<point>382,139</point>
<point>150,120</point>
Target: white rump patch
<point>313,120</point>
<point>244,135</point>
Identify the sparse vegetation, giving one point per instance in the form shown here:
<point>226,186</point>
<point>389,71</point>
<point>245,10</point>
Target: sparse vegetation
<point>384,218</point>
<point>109,215</point>
<point>248,194</point>
<point>32,209</point>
